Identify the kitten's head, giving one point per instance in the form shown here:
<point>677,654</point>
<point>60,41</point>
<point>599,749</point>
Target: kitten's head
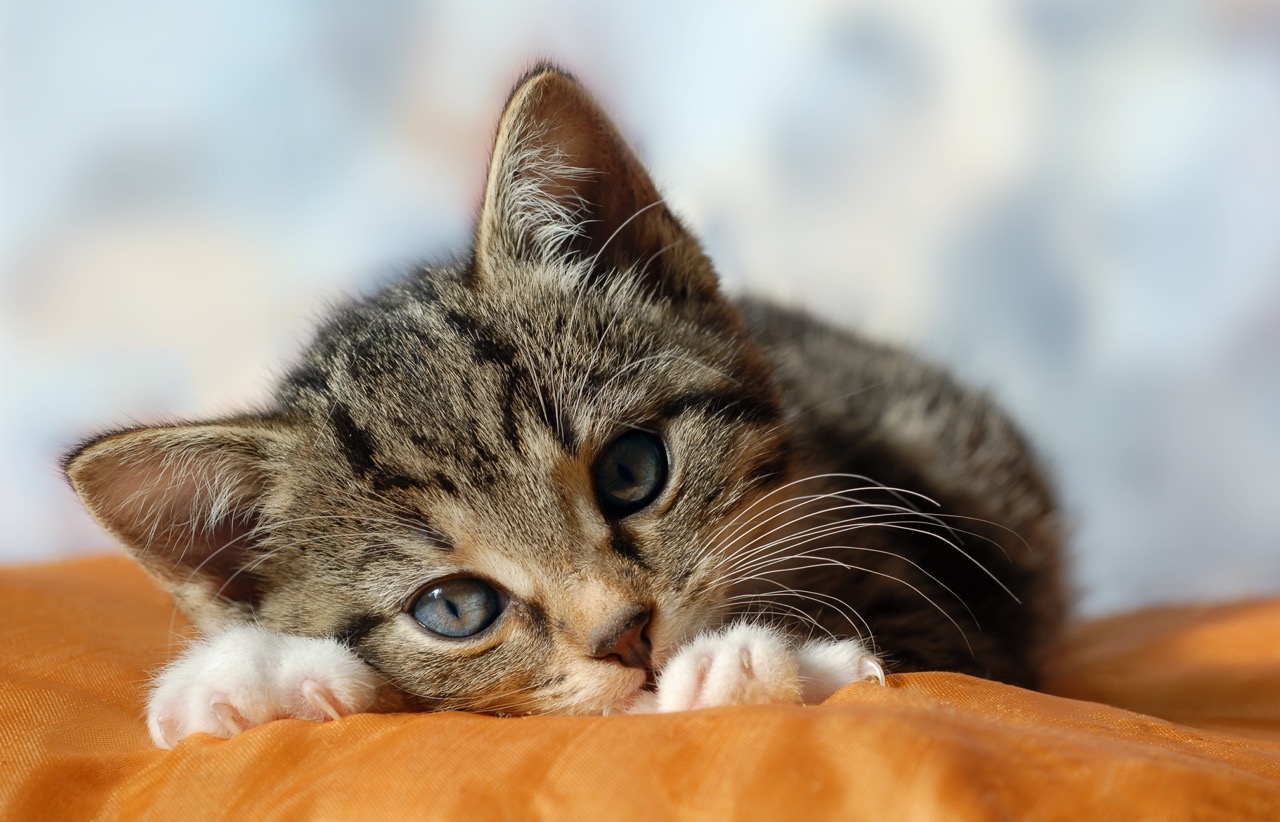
<point>510,484</point>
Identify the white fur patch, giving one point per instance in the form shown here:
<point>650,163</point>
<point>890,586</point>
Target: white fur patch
<point>747,664</point>
<point>247,676</point>
<point>828,665</point>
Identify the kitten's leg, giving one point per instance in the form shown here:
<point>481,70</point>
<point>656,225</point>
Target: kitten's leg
<point>752,664</point>
<point>246,676</point>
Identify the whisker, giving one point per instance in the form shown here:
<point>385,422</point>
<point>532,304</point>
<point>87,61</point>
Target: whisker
<point>823,600</point>
<point>806,618</point>
<point>922,594</point>
<point>901,494</point>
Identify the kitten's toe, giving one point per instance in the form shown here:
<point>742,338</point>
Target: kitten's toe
<point>165,729</point>
<point>179,710</point>
<point>197,695</point>
<point>870,668</point>
<point>321,680</point>
<point>741,665</point>
<point>826,666</point>
<point>319,698</point>
<point>230,720</point>
<point>245,677</point>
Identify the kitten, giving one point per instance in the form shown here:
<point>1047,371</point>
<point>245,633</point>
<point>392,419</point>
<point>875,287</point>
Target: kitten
<point>568,475</point>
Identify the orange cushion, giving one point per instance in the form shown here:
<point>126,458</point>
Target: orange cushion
<point>78,639</point>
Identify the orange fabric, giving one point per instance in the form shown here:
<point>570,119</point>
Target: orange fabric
<point>77,638</point>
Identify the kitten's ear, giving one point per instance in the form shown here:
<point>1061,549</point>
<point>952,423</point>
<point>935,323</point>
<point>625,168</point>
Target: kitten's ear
<point>183,500</point>
<point>563,182</point>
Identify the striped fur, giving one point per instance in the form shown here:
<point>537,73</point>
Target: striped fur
<point>447,426</point>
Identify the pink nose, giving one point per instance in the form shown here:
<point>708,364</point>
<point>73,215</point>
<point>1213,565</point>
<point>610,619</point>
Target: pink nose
<point>625,638</point>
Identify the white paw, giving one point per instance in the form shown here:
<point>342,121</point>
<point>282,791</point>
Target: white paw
<point>247,676</point>
<point>828,665</point>
<point>748,664</point>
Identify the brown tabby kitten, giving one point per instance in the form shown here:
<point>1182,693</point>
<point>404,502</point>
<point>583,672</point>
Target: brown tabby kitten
<point>549,477</point>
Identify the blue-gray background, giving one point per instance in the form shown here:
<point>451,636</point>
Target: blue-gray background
<point>1074,204</point>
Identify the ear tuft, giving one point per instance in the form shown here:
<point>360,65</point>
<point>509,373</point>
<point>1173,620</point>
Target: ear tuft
<point>563,184</point>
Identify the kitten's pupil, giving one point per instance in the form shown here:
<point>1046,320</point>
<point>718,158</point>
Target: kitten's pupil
<point>630,473</point>
<point>457,607</point>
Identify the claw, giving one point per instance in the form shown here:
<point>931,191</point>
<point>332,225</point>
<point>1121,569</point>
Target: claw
<point>869,668</point>
<point>319,698</point>
<point>169,731</point>
<point>228,717</point>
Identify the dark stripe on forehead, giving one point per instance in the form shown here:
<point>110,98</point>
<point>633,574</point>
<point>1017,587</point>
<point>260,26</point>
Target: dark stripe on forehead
<point>483,339</point>
<point>427,533</point>
<point>358,446</point>
<point>487,346</point>
<point>384,480</point>
<point>360,451</point>
<point>510,431</point>
<point>481,463</point>
<point>558,423</point>
<point>444,483</point>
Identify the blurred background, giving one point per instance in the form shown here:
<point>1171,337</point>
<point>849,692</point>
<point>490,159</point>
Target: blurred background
<point>1074,204</point>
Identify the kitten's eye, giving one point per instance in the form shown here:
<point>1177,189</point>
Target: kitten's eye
<point>630,473</point>
<point>457,607</point>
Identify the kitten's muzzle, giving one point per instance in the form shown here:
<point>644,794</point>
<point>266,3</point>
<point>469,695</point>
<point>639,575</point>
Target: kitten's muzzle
<point>625,639</point>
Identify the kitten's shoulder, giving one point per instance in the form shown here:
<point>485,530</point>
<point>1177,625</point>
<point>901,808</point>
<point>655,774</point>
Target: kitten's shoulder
<point>819,365</point>
<point>845,394</point>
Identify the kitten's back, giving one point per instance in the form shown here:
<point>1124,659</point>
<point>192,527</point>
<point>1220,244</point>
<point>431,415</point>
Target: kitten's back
<point>869,410</point>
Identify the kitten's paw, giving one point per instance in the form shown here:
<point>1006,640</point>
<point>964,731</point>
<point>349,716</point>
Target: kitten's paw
<point>741,665</point>
<point>247,676</point>
<point>826,666</point>
<point>751,664</point>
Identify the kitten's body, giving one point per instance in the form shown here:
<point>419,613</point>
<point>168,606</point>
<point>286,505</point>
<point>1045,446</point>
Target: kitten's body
<point>867,410</point>
<point>608,457</point>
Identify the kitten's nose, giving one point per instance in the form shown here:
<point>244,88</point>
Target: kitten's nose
<point>624,638</point>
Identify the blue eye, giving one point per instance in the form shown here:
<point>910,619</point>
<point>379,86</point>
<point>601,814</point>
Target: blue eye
<point>630,473</point>
<point>457,607</point>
